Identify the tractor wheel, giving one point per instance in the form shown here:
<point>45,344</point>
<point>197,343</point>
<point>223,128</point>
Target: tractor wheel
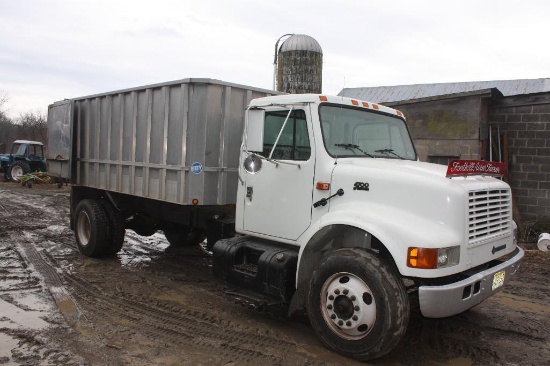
<point>357,304</point>
<point>91,228</point>
<point>17,170</point>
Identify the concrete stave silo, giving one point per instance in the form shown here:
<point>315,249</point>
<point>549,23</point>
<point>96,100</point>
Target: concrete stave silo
<point>300,65</point>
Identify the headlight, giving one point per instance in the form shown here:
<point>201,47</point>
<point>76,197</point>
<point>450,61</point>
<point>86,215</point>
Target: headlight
<point>432,258</point>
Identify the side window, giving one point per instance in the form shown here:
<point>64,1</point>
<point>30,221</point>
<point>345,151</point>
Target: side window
<point>294,141</point>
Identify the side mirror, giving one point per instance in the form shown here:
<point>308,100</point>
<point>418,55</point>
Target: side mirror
<point>255,130</point>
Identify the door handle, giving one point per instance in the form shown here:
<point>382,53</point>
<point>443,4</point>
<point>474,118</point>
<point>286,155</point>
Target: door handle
<point>249,192</point>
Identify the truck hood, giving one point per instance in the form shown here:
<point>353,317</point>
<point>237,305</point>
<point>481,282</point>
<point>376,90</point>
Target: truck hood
<point>401,168</point>
<point>4,157</point>
<point>407,188</point>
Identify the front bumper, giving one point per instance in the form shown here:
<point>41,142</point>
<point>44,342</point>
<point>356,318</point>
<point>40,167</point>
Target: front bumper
<point>455,298</point>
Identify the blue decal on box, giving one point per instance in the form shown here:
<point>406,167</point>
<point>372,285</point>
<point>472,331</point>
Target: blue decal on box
<point>196,168</point>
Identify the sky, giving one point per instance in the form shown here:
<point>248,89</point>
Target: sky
<point>56,49</point>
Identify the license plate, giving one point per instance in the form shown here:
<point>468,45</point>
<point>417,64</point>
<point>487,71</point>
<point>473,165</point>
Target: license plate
<point>498,279</point>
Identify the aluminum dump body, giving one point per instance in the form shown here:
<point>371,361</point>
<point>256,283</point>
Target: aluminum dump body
<point>175,142</point>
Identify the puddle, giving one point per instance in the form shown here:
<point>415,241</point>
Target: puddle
<point>32,301</point>
<point>17,317</point>
<point>7,343</point>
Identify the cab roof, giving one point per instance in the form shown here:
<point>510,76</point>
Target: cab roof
<point>321,98</point>
<point>28,142</point>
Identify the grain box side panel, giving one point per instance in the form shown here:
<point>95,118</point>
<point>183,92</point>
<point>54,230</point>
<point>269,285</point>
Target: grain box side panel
<point>196,142</point>
<point>143,141</point>
<point>175,143</point>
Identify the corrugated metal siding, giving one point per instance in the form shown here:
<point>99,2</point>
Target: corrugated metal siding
<point>397,93</point>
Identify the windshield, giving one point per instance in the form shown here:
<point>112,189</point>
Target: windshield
<point>35,151</point>
<point>20,149</point>
<point>358,132</point>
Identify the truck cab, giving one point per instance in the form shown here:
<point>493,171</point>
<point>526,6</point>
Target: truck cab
<point>339,181</point>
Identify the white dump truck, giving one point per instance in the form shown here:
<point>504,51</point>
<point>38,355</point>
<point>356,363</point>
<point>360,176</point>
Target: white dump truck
<point>314,201</point>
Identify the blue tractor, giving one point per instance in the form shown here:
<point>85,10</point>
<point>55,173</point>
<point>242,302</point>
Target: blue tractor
<point>24,157</point>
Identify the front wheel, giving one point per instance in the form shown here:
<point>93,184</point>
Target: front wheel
<point>357,304</point>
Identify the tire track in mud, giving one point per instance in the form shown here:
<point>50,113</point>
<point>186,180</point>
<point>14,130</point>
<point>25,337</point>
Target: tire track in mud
<point>54,283</point>
<point>188,327</point>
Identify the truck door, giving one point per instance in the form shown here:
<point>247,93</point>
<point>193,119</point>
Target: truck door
<point>278,197</point>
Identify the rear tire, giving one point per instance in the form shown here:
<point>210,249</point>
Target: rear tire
<point>357,304</point>
<point>91,228</point>
<point>117,229</point>
<point>17,170</point>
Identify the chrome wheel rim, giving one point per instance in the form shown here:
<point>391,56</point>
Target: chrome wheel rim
<point>348,306</point>
<point>83,228</point>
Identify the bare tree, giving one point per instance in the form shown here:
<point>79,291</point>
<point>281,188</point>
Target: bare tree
<point>28,126</point>
<point>3,106</point>
<point>6,125</point>
<point>33,126</point>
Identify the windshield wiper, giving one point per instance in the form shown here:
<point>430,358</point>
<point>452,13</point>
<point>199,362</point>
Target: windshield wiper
<point>352,146</point>
<point>389,151</point>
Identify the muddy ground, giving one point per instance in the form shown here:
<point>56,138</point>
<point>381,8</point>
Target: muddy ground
<point>152,304</point>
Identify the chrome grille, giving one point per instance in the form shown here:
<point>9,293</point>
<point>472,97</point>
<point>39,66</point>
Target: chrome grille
<point>489,214</point>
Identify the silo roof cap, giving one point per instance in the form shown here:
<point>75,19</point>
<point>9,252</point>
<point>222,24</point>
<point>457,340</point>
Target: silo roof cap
<point>301,42</point>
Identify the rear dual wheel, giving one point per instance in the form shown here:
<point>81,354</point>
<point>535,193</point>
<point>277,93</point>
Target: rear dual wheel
<point>357,304</point>
<point>117,229</point>
<point>99,228</point>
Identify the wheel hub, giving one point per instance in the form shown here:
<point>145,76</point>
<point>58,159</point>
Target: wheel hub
<point>343,307</point>
<point>16,172</point>
<point>348,305</point>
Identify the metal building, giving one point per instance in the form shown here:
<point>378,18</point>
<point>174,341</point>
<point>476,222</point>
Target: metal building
<point>300,65</point>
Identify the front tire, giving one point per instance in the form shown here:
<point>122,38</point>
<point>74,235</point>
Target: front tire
<point>17,170</point>
<point>357,304</point>
<point>91,228</point>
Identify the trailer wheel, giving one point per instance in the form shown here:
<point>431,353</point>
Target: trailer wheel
<point>357,304</point>
<point>17,170</point>
<point>184,237</point>
<point>117,229</point>
<point>91,228</point>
